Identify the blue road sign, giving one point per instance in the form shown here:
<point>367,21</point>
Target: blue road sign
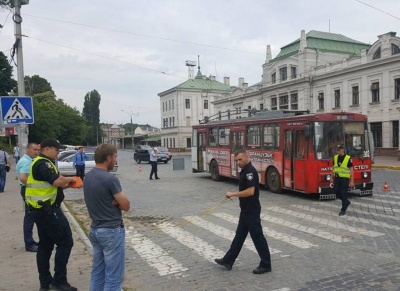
<point>16,109</point>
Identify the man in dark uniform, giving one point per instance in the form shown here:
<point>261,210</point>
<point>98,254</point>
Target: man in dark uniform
<point>342,177</point>
<point>249,220</point>
<point>44,195</point>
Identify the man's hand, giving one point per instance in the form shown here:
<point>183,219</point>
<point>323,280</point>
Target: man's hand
<point>229,194</point>
<point>351,185</point>
<point>115,202</point>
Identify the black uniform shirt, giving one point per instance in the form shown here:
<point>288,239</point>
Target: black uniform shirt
<point>249,178</point>
<point>42,170</point>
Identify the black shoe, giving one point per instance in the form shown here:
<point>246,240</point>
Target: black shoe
<point>62,287</point>
<point>32,249</point>
<point>261,270</point>
<point>342,212</point>
<point>150,178</point>
<point>222,263</point>
<point>157,178</point>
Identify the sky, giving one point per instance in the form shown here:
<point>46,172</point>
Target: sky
<point>130,50</point>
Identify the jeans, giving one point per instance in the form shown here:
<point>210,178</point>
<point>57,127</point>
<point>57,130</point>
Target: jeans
<point>108,268</point>
<point>153,169</point>
<point>3,176</point>
<point>28,223</point>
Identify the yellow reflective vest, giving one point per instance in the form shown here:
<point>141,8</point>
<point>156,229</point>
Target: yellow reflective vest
<point>39,190</point>
<point>343,171</point>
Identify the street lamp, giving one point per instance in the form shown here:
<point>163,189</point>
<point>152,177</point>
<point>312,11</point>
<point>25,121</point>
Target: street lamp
<point>131,115</point>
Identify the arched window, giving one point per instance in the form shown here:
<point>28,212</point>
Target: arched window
<point>395,49</point>
<point>377,54</point>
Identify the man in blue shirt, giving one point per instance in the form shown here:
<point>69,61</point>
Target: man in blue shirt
<point>22,169</point>
<point>79,163</point>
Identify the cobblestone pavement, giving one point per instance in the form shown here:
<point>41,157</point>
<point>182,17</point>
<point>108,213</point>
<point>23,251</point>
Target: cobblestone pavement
<point>172,243</point>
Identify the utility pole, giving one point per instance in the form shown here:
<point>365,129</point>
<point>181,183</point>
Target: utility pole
<point>132,132</point>
<point>22,129</point>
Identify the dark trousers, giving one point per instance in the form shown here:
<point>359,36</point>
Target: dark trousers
<point>341,187</point>
<point>80,171</point>
<point>28,223</point>
<point>249,222</point>
<point>3,177</point>
<point>153,169</point>
<point>53,229</point>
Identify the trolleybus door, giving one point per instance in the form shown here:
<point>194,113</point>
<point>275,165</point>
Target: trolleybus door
<point>300,152</point>
<point>201,150</point>
<point>288,160</point>
<point>237,143</point>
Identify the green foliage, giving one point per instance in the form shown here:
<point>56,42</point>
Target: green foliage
<point>7,83</point>
<point>91,113</point>
<point>128,127</point>
<point>36,84</point>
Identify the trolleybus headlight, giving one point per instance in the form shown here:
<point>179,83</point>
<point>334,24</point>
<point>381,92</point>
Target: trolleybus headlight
<point>365,175</point>
<point>327,177</point>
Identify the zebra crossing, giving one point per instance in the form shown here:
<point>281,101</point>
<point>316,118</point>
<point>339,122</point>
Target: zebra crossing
<point>288,228</point>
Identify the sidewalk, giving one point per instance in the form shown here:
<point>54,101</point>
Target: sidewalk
<point>386,162</point>
<point>18,270</point>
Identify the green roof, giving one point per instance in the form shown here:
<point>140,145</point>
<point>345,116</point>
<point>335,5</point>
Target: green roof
<point>153,138</point>
<point>198,83</point>
<point>326,42</point>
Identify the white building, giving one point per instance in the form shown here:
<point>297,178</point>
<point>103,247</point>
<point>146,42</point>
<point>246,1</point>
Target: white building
<point>325,72</point>
<point>184,105</point>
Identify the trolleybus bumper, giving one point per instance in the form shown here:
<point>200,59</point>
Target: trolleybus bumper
<point>361,189</point>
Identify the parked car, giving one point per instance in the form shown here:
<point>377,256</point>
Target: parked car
<point>142,154</point>
<point>165,151</point>
<point>66,169</point>
<point>65,153</point>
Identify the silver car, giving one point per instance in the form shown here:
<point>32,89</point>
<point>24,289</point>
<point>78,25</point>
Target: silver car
<point>66,169</point>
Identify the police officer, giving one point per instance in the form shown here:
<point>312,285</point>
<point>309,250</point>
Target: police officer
<point>249,220</point>
<point>342,177</point>
<point>44,194</point>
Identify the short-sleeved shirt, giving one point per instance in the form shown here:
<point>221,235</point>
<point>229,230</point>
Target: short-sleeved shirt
<point>16,151</point>
<point>3,156</point>
<point>42,170</point>
<point>153,156</point>
<point>99,189</point>
<point>23,167</point>
<point>249,178</point>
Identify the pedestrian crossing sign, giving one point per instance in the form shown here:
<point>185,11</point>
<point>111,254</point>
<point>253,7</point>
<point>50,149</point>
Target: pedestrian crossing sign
<point>17,109</point>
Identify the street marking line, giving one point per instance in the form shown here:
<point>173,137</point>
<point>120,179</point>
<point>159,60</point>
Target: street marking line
<point>200,246</point>
<point>348,218</point>
<point>154,255</point>
<point>289,239</point>
<point>224,232</point>
<point>328,222</point>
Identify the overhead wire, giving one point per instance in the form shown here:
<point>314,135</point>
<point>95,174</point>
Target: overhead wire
<point>380,10</point>
<point>143,35</point>
<point>5,21</point>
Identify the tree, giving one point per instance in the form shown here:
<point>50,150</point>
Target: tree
<point>91,112</point>
<point>7,84</point>
<point>36,84</point>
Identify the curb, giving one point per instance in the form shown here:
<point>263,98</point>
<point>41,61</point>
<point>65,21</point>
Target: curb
<point>386,167</point>
<point>77,228</point>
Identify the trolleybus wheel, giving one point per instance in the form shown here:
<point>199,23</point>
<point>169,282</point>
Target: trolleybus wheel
<point>214,171</point>
<point>138,161</point>
<point>274,181</point>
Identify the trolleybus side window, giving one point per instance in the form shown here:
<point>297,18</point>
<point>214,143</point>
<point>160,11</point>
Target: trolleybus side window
<point>237,139</point>
<point>223,137</point>
<point>271,137</point>
<point>213,137</point>
<point>253,137</point>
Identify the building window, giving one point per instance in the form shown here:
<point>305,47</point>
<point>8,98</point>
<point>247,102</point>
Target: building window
<point>170,122</point>
<point>173,121</point>
<point>164,143</point>
<point>283,74</point>
<point>169,105</point>
<point>261,106</point>
<point>187,103</point>
<point>395,49</point>
<point>321,101</point>
<point>273,78</point>
<point>293,101</point>
<point>377,54</point>
<point>274,103</point>
<point>166,122</point>
<point>395,134</point>
<point>397,89</point>
<point>173,142</point>
<point>293,72</point>
<point>163,106</point>
<point>375,92</point>
<point>172,104</point>
<point>284,102</point>
<point>337,98</point>
<point>376,129</point>
<point>205,104</point>
<point>355,95</point>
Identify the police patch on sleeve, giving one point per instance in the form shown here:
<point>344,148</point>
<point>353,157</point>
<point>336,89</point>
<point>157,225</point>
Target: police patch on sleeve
<point>49,165</point>
<point>249,176</point>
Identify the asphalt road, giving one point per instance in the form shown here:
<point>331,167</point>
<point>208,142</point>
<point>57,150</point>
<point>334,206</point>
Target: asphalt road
<point>174,233</point>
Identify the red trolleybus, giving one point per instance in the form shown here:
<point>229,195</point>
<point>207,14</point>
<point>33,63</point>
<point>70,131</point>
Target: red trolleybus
<point>291,150</point>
